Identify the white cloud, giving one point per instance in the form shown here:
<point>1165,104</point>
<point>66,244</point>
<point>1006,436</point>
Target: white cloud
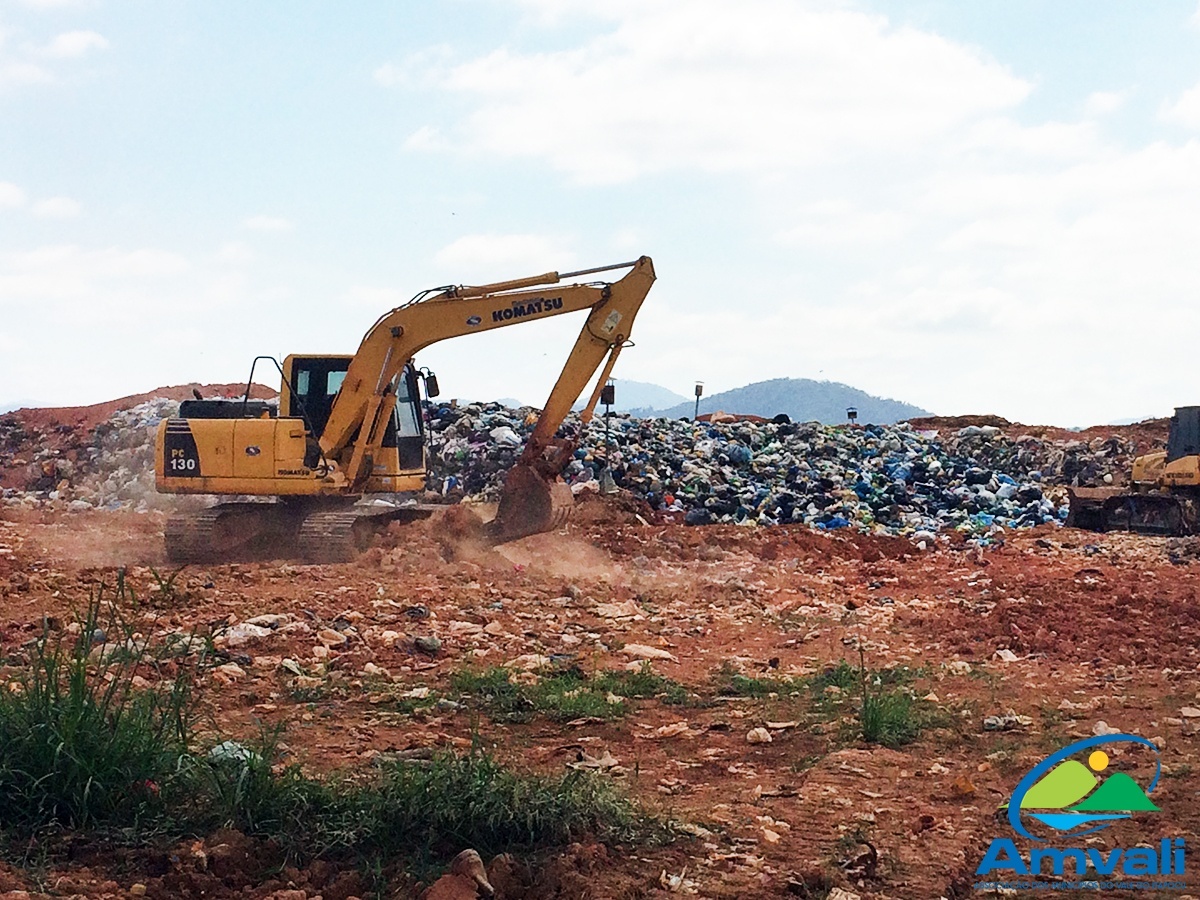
<point>268,223</point>
<point>839,222</point>
<point>235,252</point>
<point>57,208</point>
<point>1184,111</point>
<point>101,291</point>
<point>11,196</point>
<point>73,44</point>
<point>419,69</point>
<point>19,72</point>
<point>706,85</point>
<point>24,65</point>
<point>1101,103</point>
<point>484,258</point>
<point>127,319</point>
<point>57,270</point>
<point>988,246</point>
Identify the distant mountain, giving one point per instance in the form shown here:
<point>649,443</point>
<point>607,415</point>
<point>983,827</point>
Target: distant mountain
<point>7,406</point>
<point>803,399</point>
<point>632,396</point>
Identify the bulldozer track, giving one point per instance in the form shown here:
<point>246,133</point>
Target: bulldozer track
<point>1151,512</point>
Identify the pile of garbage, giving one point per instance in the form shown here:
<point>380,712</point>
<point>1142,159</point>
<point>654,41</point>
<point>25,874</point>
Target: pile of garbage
<point>891,478</point>
<point>122,469</point>
<point>113,468</point>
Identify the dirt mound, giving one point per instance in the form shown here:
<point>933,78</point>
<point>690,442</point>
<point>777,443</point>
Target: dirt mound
<point>1147,435</point>
<point>941,423</point>
<point>88,417</point>
<point>612,509</point>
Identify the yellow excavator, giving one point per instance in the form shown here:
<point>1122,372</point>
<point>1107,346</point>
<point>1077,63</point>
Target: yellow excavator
<point>348,427</point>
<point>1163,496</point>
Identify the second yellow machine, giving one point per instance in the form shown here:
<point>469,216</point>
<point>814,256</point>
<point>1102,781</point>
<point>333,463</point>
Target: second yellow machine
<point>351,426</point>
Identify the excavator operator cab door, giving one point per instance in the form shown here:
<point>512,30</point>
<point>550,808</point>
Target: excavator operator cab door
<point>406,430</point>
<point>310,385</point>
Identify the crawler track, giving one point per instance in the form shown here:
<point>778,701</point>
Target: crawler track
<point>333,537</point>
<point>224,531</point>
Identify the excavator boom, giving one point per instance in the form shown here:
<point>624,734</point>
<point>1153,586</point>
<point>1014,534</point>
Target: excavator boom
<point>354,426</point>
<point>531,500</point>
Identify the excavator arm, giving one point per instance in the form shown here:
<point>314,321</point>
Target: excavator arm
<point>358,419</point>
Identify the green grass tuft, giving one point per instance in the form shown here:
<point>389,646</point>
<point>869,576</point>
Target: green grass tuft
<point>80,745</point>
<point>560,695</point>
<point>473,801</point>
<point>729,682</point>
<point>890,718</point>
<point>644,683</point>
<point>888,715</point>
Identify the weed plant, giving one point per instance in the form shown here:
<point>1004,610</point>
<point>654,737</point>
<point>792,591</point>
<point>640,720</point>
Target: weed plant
<point>473,801</point>
<point>80,744</point>
<point>644,683</point>
<point>729,682</point>
<point>888,715</point>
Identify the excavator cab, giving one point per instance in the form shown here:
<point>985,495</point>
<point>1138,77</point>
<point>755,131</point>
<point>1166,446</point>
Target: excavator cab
<point>310,386</point>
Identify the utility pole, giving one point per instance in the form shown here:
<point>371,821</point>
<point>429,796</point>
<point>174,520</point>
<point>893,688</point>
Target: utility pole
<point>608,396</point>
<point>699,394</point>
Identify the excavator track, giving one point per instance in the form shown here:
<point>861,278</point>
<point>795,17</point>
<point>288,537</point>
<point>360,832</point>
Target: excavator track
<point>233,532</point>
<point>334,537</point>
<point>221,532</point>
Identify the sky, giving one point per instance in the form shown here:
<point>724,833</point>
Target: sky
<point>985,207</point>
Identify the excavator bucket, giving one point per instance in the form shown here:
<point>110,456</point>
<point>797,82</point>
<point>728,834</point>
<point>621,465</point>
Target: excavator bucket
<point>529,504</point>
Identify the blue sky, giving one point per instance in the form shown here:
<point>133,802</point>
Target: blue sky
<point>975,207</point>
